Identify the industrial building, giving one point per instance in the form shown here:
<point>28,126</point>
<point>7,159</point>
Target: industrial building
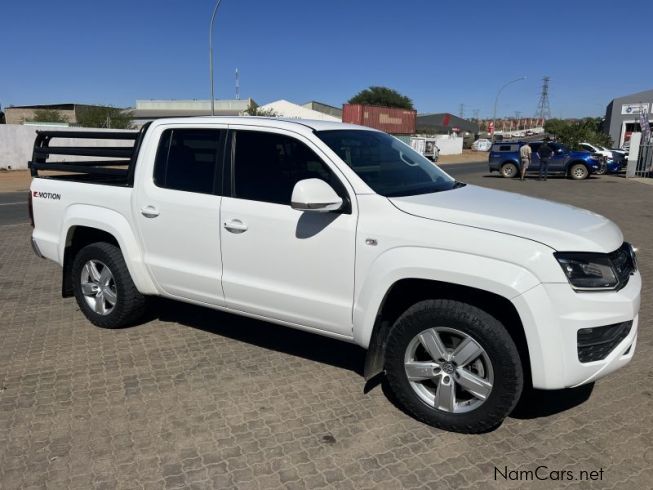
<point>445,123</point>
<point>284,108</point>
<point>324,108</point>
<point>24,113</point>
<point>149,110</point>
<point>622,115</point>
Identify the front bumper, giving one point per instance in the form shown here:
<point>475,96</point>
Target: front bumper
<point>552,315</point>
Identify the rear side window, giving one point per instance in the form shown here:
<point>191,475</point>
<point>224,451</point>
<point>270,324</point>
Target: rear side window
<point>190,160</point>
<point>505,148</point>
<point>267,166</point>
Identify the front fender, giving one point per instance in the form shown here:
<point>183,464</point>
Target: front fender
<point>116,225</point>
<point>488,274</point>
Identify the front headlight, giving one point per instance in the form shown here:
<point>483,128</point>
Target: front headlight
<point>588,270</point>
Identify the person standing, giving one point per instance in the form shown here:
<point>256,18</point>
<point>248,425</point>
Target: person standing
<point>544,153</point>
<point>525,153</point>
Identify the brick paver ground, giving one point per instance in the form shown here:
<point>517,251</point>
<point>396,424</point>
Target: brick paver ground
<point>197,398</point>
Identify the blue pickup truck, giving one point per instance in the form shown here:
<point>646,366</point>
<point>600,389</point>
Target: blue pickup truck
<point>577,165</point>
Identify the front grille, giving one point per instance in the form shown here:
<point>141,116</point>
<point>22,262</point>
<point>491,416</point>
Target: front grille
<point>594,344</point>
<point>623,260</point>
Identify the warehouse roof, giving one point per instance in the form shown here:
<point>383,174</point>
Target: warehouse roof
<point>444,122</point>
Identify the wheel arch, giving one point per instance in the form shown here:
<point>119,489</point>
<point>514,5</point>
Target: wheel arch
<point>406,292</point>
<point>84,225</point>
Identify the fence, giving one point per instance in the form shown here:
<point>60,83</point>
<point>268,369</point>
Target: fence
<point>645,160</point>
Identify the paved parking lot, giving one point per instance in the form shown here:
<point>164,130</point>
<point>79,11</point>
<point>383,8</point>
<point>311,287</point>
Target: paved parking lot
<point>197,398</point>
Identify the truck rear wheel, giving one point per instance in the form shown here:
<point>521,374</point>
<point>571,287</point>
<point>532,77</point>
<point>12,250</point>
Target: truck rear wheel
<point>509,170</point>
<point>453,366</point>
<point>103,287</point>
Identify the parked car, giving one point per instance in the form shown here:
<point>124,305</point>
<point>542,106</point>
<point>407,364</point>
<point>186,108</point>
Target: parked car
<point>613,161</point>
<point>482,145</point>
<point>577,165</point>
<point>461,295</point>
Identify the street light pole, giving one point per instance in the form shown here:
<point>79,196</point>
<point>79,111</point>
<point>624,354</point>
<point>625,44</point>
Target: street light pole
<point>496,100</point>
<point>215,11</point>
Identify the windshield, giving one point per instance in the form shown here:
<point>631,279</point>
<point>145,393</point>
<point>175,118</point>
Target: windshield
<point>391,168</point>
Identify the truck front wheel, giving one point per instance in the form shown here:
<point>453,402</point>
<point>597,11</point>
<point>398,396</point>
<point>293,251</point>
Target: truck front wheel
<point>453,366</point>
<point>103,287</point>
<point>578,171</point>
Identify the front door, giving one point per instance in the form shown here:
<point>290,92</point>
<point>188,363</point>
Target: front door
<point>177,209</point>
<point>281,263</point>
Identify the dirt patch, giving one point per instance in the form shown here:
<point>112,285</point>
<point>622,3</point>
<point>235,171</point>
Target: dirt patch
<point>14,180</point>
<point>467,156</point>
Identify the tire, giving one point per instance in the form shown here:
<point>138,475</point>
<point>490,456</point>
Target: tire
<point>103,287</point>
<point>602,170</point>
<point>497,365</point>
<point>579,171</point>
<point>509,170</point>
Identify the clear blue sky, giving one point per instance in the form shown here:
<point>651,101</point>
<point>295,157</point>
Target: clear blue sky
<point>439,53</point>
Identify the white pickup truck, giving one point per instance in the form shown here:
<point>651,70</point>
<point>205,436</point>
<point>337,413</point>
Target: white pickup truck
<point>460,294</point>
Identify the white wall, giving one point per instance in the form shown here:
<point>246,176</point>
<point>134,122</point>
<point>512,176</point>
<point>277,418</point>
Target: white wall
<point>449,145</point>
<point>17,143</point>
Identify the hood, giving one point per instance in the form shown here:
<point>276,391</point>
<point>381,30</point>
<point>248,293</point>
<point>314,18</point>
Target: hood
<point>560,226</point>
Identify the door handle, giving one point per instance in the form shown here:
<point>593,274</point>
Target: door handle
<point>150,211</point>
<point>235,226</point>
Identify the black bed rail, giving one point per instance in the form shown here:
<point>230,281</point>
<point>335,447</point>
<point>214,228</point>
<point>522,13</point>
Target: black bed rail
<point>116,161</point>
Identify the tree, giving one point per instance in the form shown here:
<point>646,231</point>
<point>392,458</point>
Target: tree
<point>104,117</point>
<point>254,110</point>
<point>48,115</point>
<point>382,96</point>
<point>572,133</point>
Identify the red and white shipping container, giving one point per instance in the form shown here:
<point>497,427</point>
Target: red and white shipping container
<point>388,119</point>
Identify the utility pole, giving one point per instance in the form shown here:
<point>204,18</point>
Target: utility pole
<point>462,111</point>
<point>543,108</point>
<point>475,112</point>
<point>215,11</point>
<point>518,117</point>
<point>237,85</point>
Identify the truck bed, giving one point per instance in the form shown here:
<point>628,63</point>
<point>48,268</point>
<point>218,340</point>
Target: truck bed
<point>106,165</point>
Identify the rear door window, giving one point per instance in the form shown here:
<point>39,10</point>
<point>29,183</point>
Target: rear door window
<point>190,160</point>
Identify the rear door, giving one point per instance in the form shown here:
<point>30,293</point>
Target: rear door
<point>559,157</point>
<point>177,208</point>
<point>535,160</point>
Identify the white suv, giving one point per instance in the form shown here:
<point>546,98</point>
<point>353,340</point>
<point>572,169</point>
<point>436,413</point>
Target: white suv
<point>460,294</point>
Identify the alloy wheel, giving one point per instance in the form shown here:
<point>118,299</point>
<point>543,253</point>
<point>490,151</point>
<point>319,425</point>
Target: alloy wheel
<point>98,287</point>
<point>448,370</point>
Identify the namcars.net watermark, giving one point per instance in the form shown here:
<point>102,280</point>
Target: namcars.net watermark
<point>545,473</point>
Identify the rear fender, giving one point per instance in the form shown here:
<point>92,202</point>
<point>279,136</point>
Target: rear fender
<point>117,226</point>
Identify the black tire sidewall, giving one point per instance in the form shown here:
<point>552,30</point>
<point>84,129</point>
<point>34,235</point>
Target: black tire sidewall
<point>488,332</point>
<point>111,256</point>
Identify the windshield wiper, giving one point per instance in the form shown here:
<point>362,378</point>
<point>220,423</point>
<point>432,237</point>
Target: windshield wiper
<point>458,184</point>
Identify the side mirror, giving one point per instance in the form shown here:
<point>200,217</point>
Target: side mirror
<point>315,195</point>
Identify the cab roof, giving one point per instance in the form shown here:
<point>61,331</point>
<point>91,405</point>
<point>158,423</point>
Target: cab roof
<point>265,122</point>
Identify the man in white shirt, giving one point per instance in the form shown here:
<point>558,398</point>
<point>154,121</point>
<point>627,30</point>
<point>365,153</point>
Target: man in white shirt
<point>525,153</point>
